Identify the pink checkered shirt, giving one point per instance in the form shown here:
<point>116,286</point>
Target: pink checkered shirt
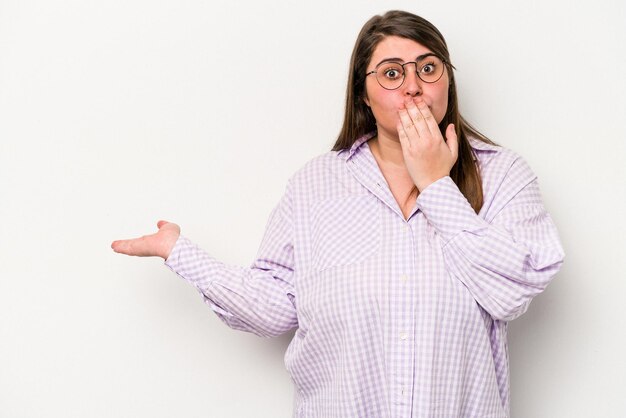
<point>394,317</point>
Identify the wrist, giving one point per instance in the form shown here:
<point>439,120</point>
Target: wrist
<point>424,183</point>
<point>168,246</point>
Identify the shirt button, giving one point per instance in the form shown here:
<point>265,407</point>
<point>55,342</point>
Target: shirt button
<point>403,391</point>
<point>404,278</point>
<point>403,336</point>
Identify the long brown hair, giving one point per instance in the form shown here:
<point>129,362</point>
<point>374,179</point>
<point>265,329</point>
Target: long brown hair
<point>359,120</point>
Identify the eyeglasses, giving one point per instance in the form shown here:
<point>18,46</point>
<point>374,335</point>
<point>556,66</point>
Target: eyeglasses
<point>391,75</point>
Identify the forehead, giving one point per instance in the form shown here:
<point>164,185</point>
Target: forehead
<point>397,47</point>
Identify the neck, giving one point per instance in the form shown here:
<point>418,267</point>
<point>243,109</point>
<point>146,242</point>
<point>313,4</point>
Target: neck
<point>388,150</point>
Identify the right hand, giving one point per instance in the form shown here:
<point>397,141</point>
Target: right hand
<point>159,244</point>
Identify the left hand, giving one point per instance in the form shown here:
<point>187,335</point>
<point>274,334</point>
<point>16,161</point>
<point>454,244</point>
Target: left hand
<point>426,155</point>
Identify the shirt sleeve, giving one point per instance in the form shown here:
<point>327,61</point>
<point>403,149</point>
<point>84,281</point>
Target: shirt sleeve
<point>258,299</point>
<point>505,258</point>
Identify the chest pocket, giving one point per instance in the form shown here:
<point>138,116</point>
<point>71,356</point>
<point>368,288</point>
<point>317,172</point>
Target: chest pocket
<point>345,230</point>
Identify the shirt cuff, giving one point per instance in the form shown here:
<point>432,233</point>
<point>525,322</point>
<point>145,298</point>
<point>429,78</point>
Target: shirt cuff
<point>448,211</point>
<point>174,259</point>
<point>188,261</point>
<point>191,262</point>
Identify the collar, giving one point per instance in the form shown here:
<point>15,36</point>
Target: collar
<point>357,144</point>
<point>479,145</point>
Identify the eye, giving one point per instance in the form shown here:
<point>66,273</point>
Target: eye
<point>393,73</point>
<point>428,68</point>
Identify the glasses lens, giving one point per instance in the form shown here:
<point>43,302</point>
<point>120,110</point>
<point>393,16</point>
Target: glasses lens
<point>390,75</point>
<point>430,69</point>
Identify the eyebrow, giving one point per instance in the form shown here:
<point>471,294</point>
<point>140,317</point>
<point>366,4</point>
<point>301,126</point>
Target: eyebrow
<point>421,57</point>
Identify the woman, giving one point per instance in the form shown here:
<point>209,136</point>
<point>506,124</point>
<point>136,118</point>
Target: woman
<point>400,256</point>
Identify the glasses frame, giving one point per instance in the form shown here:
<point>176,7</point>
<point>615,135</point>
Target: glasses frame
<point>375,71</point>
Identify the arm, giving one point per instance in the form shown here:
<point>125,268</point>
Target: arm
<point>259,299</point>
<point>506,258</point>
<point>509,257</point>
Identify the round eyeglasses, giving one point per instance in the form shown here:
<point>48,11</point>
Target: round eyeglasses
<point>391,74</point>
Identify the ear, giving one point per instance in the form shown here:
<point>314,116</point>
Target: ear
<point>367,101</point>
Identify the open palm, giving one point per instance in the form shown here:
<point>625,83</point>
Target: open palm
<point>159,244</point>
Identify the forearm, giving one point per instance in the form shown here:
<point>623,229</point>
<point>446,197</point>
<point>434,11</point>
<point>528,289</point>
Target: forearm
<point>249,299</point>
<point>503,263</point>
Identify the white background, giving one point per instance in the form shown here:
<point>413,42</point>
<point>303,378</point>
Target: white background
<point>117,113</point>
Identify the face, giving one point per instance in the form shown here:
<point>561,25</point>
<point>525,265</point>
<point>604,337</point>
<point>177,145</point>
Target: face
<point>386,103</point>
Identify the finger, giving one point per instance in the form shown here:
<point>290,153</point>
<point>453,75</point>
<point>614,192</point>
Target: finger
<point>452,141</point>
<point>429,119</point>
<point>136,246</point>
<point>122,247</point>
<point>404,139</point>
<point>407,125</point>
<point>161,223</point>
<point>417,118</point>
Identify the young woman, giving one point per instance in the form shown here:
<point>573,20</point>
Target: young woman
<point>399,256</point>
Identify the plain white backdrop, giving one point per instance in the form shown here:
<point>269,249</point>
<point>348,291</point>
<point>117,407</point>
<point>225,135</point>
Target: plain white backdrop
<point>115,114</point>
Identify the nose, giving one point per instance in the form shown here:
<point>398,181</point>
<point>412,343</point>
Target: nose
<point>412,83</point>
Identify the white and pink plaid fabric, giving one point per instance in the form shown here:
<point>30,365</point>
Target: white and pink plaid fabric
<point>395,317</point>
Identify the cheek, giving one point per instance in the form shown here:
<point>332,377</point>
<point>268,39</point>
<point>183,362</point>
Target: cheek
<point>382,99</point>
<point>440,105</point>
<point>441,110</point>
<point>386,115</point>
<point>385,105</point>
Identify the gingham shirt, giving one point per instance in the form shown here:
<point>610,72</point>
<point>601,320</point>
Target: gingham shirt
<point>395,318</point>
